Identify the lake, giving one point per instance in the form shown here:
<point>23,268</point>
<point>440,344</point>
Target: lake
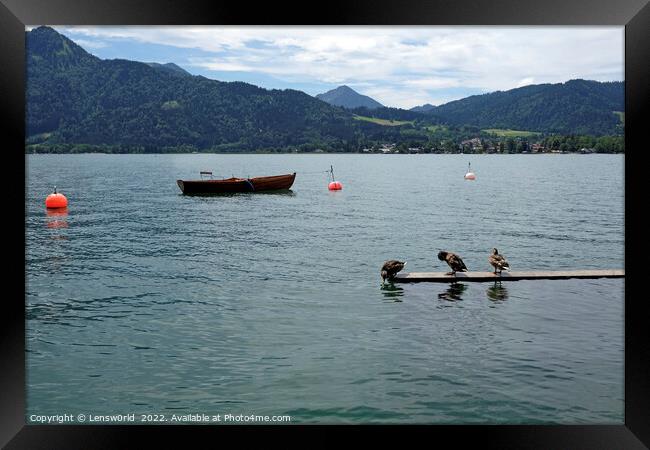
<point>142,300</point>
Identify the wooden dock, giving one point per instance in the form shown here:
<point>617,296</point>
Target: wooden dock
<point>442,277</point>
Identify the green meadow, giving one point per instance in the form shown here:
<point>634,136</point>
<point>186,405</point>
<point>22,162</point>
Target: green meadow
<point>385,122</point>
<point>510,133</point>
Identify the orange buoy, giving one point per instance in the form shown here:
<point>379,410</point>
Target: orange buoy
<point>56,200</point>
<point>335,186</point>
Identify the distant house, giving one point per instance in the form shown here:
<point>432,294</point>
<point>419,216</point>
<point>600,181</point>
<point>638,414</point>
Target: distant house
<point>472,144</point>
<point>537,148</point>
<point>387,148</point>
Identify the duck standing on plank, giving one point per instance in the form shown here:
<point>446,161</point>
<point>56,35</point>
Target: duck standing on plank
<point>498,261</point>
<point>454,261</point>
<point>390,269</point>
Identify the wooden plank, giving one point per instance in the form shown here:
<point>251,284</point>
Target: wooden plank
<point>442,277</point>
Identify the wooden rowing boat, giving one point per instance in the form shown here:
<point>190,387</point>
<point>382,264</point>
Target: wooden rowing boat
<point>231,185</point>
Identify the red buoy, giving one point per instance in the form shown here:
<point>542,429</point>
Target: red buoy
<point>335,186</point>
<point>56,200</point>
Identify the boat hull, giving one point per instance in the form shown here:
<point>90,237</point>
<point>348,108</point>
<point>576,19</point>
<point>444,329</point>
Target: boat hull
<point>234,185</point>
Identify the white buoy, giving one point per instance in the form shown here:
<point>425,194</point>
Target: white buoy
<point>470,175</point>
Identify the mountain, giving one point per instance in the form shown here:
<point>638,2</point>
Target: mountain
<point>76,98</point>
<point>348,98</point>
<point>47,47</point>
<point>423,109</point>
<point>573,107</point>
<point>170,68</point>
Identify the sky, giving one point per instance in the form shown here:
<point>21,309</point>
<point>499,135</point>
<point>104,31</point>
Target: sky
<point>398,66</point>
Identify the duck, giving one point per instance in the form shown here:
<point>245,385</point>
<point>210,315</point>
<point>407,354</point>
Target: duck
<point>391,268</point>
<point>454,261</point>
<point>498,261</point>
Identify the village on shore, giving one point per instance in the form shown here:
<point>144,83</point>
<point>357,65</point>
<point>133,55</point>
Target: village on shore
<point>476,146</point>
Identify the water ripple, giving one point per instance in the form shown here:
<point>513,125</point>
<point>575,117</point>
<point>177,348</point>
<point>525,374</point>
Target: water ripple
<point>147,300</point>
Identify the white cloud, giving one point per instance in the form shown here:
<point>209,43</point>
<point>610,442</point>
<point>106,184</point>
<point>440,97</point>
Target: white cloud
<point>87,44</point>
<point>401,66</point>
<point>433,83</point>
<point>526,81</point>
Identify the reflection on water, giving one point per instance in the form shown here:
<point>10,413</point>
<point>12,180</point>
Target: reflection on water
<point>284,192</point>
<point>57,212</point>
<point>57,218</point>
<point>454,292</point>
<point>57,224</point>
<point>497,292</point>
<point>392,292</point>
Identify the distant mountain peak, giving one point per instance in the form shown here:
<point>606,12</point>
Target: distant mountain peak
<point>347,97</point>
<point>45,42</point>
<point>44,30</point>
<point>424,108</point>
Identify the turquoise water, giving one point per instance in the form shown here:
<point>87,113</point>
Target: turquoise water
<point>142,300</point>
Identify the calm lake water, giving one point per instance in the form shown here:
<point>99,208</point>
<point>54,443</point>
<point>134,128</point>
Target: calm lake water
<point>142,300</point>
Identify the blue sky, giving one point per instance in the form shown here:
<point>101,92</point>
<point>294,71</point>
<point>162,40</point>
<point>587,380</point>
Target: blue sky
<point>398,66</point>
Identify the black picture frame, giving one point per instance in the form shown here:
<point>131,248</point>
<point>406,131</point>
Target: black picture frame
<point>633,14</point>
